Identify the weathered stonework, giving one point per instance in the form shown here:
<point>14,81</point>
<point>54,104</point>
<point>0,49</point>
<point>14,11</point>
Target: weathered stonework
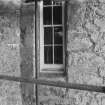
<point>86,65</point>
<point>10,93</point>
<point>16,56</point>
<point>85,57</point>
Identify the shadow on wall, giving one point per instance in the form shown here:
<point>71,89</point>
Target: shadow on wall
<point>26,52</point>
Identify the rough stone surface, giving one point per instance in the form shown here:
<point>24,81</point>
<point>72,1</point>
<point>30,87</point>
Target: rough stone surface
<point>85,56</point>
<point>10,93</point>
<point>86,51</point>
<point>16,58</point>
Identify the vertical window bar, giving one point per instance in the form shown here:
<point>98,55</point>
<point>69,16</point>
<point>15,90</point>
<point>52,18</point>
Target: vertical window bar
<point>41,32</point>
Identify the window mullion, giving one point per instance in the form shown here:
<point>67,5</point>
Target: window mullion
<point>53,32</point>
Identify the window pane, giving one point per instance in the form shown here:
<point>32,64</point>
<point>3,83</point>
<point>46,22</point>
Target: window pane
<point>57,15</point>
<point>47,15</point>
<point>57,3</point>
<point>58,55</point>
<point>47,2</point>
<point>58,35</point>
<point>48,55</point>
<point>48,35</point>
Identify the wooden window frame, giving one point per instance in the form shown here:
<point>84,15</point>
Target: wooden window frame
<point>49,68</point>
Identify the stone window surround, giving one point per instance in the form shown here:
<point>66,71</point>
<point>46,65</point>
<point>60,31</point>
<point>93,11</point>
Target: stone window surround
<point>48,73</point>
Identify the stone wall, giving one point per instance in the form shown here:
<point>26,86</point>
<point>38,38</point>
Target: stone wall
<point>85,57</point>
<point>10,93</point>
<point>86,49</point>
<point>16,57</point>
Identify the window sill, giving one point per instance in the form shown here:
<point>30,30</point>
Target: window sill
<point>52,73</point>
<point>52,70</point>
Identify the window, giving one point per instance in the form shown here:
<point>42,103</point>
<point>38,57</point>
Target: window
<point>52,35</point>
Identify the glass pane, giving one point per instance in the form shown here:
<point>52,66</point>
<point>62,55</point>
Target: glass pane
<point>57,3</point>
<point>48,38</point>
<point>47,15</point>
<point>58,35</point>
<point>48,55</point>
<point>58,55</point>
<point>57,15</point>
<point>47,2</point>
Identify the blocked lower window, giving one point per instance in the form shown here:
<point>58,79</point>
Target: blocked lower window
<point>52,35</point>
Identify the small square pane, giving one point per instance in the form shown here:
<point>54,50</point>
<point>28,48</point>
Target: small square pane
<point>57,15</point>
<point>48,55</point>
<point>48,38</point>
<point>47,2</point>
<point>57,3</point>
<point>58,55</point>
<point>47,15</point>
<point>58,35</point>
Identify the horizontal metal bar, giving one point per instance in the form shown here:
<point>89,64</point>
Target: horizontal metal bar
<point>56,84</point>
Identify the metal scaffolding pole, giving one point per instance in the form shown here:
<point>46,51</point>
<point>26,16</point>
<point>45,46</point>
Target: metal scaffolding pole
<point>36,67</point>
<point>60,84</point>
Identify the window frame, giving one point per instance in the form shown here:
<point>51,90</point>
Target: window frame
<point>50,67</point>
